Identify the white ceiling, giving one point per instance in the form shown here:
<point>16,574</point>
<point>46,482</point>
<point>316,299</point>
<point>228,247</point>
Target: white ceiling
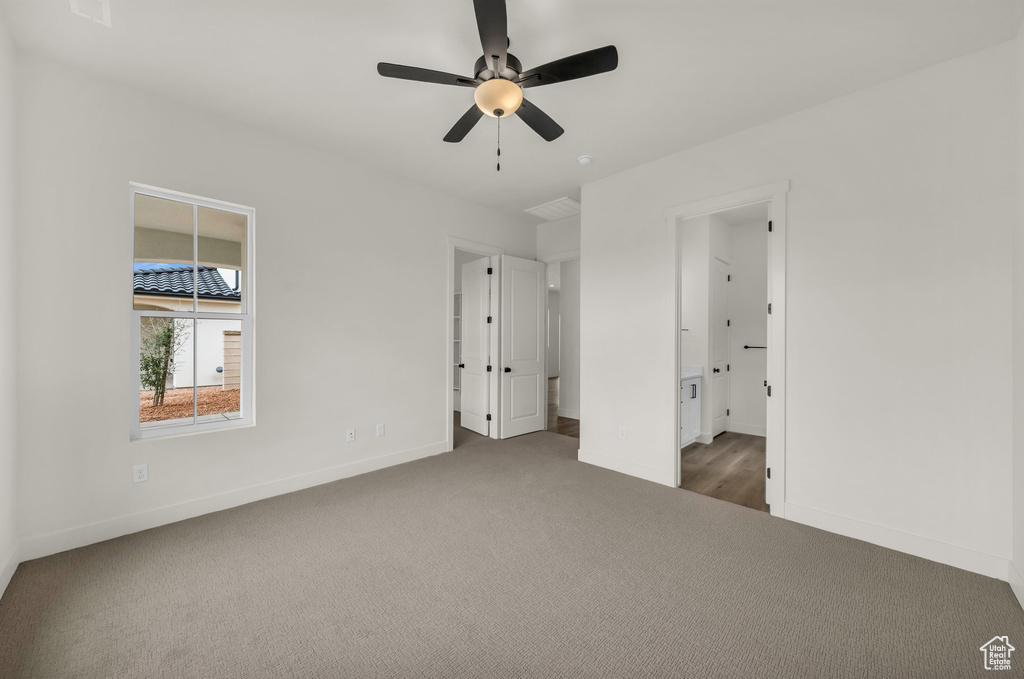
<point>689,71</point>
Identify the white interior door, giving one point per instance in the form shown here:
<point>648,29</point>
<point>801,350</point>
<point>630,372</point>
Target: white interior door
<point>476,346</point>
<point>523,377</point>
<point>719,346</point>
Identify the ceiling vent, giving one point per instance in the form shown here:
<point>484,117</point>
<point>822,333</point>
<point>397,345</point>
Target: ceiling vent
<point>556,209</point>
<point>97,10</point>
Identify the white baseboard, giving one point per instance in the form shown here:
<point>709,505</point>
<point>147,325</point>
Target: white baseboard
<point>7,568</point>
<point>752,429</point>
<point>926,548</point>
<point>79,536</point>
<point>705,438</point>
<point>642,471</point>
<point>574,414</point>
<point>1016,581</point>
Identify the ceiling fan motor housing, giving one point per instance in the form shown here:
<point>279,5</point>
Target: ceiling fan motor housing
<point>484,71</point>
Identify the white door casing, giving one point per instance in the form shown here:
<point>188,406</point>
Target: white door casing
<point>522,371</point>
<point>719,346</point>
<point>775,195</point>
<point>476,346</point>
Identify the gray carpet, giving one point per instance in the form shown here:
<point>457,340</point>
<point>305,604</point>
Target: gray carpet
<point>502,559</point>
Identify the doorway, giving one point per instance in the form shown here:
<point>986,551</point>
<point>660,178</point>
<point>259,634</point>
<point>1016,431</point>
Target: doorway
<point>563,346</point>
<point>724,259</point>
<point>729,383</point>
<point>495,357</point>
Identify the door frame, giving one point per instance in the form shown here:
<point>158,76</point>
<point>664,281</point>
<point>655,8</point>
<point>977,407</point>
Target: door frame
<point>491,251</point>
<point>775,195</point>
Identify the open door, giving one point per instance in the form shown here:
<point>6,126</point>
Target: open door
<point>523,376</point>
<point>476,346</point>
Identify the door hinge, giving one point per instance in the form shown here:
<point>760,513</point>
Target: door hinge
<point>728,367</point>
<point>490,271</point>
<point>769,226</point>
<point>769,471</point>
<point>490,320</point>
<point>488,417</point>
<point>728,278</point>
<point>488,368</point>
<point>769,390</point>
<point>769,308</point>
<point>728,323</point>
<point>727,412</point>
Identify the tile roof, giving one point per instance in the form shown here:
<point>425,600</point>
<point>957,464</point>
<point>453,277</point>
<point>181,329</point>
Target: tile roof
<point>175,281</point>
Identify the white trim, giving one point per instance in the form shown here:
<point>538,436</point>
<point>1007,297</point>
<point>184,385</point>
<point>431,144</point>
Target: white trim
<point>479,249</point>
<point>91,533</point>
<point>7,568</point>
<point>775,196</point>
<point>751,429</point>
<point>1016,582</point>
<point>757,194</point>
<point>926,548</point>
<point>559,256</point>
<point>571,414</point>
<point>663,476</point>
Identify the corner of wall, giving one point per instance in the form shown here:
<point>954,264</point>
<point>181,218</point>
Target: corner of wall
<point>1017,562</point>
<point>9,525</point>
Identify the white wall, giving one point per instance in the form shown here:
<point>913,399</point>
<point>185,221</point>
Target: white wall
<point>748,297</point>
<point>899,278</point>
<point>8,311</point>
<point>373,352</point>
<point>554,307</point>
<point>569,347</point>
<point>1017,566</point>
<point>694,307</point>
<point>463,257</point>
<point>557,237</point>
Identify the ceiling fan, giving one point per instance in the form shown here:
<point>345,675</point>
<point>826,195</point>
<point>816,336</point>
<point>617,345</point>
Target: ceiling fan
<point>499,78</point>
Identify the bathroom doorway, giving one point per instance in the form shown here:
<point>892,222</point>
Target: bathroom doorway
<point>730,335</point>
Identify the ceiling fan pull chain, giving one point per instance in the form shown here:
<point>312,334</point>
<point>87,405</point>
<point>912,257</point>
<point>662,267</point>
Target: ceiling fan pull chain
<point>499,145</point>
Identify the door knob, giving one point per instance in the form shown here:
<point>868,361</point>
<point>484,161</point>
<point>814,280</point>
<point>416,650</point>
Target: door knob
<point>717,370</point>
<point>462,365</point>
<point>508,370</point>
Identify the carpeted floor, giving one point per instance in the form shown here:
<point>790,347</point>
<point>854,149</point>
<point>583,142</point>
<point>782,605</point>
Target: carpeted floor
<point>501,559</point>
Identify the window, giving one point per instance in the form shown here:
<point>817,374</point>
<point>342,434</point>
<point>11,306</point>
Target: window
<point>192,313</point>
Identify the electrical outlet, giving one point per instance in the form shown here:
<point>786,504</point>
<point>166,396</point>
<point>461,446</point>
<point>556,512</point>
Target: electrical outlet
<point>622,432</point>
<point>140,472</point>
<point>380,429</point>
<point>350,435</point>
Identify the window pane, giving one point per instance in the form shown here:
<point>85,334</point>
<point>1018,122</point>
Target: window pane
<point>222,254</point>
<point>219,369</point>
<point>162,278</point>
<point>166,396</point>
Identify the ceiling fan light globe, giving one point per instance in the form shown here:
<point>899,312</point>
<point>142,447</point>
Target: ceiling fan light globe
<point>498,97</point>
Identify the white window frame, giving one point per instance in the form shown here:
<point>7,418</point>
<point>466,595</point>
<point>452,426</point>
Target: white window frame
<point>247,388</point>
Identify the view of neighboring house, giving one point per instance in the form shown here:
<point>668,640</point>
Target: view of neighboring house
<point>213,359</point>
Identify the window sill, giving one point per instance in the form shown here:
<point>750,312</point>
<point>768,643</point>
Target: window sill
<point>207,423</point>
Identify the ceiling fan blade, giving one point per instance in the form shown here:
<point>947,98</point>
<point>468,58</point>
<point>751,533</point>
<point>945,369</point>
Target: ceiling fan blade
<point>540,122</point>
<point>466,122</point>
<point>424,75</point>
<point>492,22</point>
<point>580,65</point>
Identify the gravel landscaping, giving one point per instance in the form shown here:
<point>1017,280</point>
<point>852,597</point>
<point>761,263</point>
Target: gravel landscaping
<point>178,403</point>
